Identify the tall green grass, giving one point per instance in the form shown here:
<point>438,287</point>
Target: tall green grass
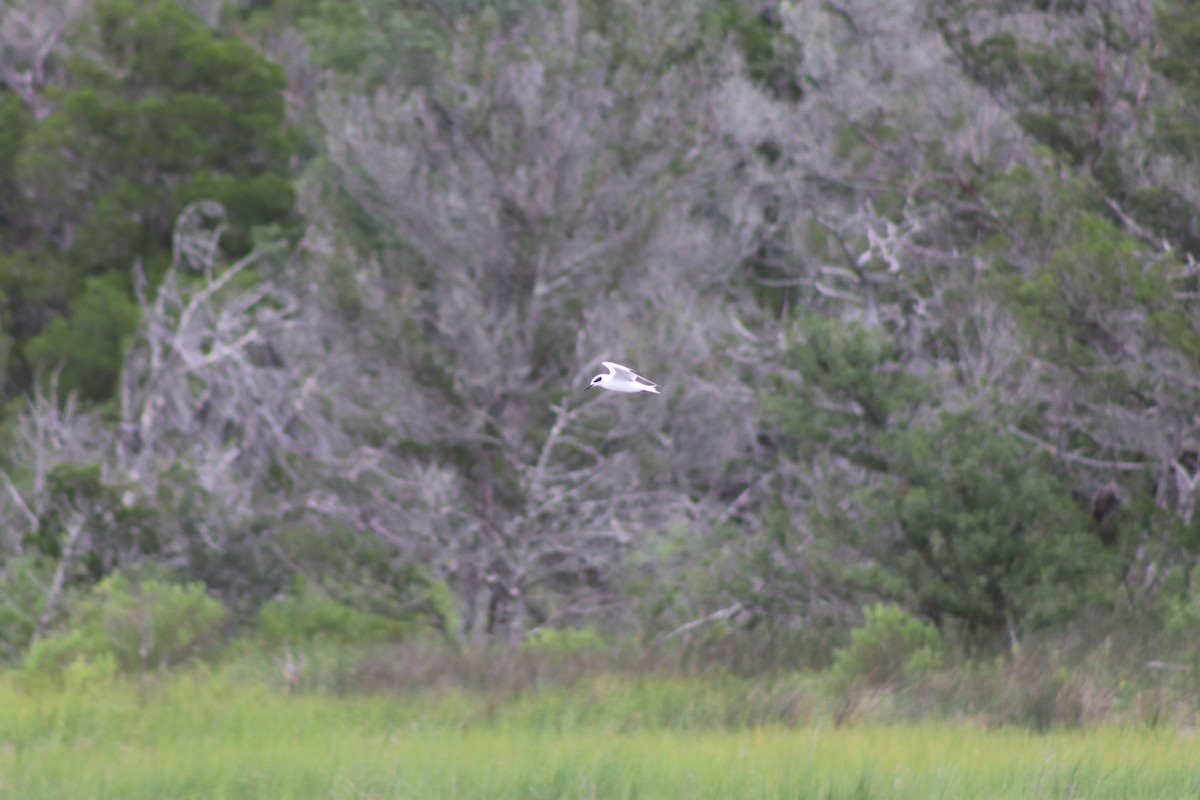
<point>210,735</point>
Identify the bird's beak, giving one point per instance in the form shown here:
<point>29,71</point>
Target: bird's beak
<point>587,387</point>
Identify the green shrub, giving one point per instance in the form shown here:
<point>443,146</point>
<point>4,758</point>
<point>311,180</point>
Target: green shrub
<point>53,655</point>
<point>83,672</point>
<point>23,584</point>
<point>1183,615</point>
<point>138,625</point>
<point>306,616</point>
<point>890,646</point>
<point>89,345</point>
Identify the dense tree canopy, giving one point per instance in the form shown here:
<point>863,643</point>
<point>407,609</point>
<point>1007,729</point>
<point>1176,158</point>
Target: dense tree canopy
<point>152,110</point>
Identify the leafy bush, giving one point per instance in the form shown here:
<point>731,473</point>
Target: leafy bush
<point>891,644</point>
<point>90,344</point>
<point>138,625</point>
<point>1182,613</point>
<point>989,535</point>
<point>306,616</point>
<point>22,599</point>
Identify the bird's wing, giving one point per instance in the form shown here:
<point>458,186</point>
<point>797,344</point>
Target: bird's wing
<point>626,373</point>
<point>619,371</point>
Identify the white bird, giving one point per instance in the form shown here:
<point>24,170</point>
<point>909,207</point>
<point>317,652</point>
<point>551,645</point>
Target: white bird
<point>622,379</point>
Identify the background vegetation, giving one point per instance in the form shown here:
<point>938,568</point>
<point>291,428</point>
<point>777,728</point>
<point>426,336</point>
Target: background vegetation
<point>297,300</point>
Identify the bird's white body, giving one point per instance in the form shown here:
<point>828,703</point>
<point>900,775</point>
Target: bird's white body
<point>622,379</point>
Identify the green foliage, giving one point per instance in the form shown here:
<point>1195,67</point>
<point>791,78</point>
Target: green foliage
<point>359,573</point>
<point>89,345</point>
<point>1179,28</point>
<point>33,289</point>
<point>994,61</point>
<point>373,40</point>
<point>169,105</point>
<point>1064,91</point>
<point>22,601</point>
<point>890,645</point>
<point>561,643</point>
<point>1096,296</point>
<point>305,616</point>
<point>964,522</point>
<point>439,604</point>
<point>988,534</point>
<point>1166,211</point>
<point>852,385</point>
<point>1176,124</point>
<point>119,536</point>
<point>140,625</point>
<point>1183,615</point>
<point>14,123</point>
<point>160,113</point>
<point>772,59</point>
<point>1057,90</point>
<point>82,651</point>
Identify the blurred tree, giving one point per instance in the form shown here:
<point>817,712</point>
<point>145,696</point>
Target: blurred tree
<point>983,532</point>
<point>155,111</point>
<point>1105,85</point>
<point>1113,322</point>
<point>192,474</point>
<point>843,387</point>
<point>55,507</point>
<point>964,522</point>
<point>553,197</point>
<point>995,201</point>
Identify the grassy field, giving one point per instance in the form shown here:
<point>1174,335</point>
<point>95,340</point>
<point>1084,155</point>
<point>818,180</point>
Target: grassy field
<point>213,736</point>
